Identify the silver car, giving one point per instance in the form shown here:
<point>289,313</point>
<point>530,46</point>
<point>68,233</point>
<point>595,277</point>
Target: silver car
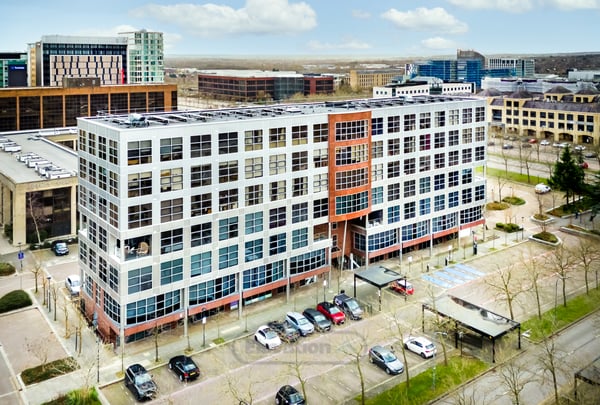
<point>299,321</point>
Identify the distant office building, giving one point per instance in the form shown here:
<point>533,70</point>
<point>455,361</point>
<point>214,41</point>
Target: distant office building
<point>518,67</point>
<point>366,79</point>
<point>585,75</point>
<point>422,86</point>
<point>145,57</point>
<point>442,69</point>
<point>32,108</point>
<point>13,69</point>
<point>261,85</point>
<point>217,209</point>
<point>536,86</point>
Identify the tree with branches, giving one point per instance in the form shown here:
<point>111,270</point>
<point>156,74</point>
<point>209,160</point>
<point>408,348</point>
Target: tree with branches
<point>586,252</point>
<point>356,348</point>
<point>568,176</point>
<point>561,261</point>
<point>505,286</point>
<point>511,375</point>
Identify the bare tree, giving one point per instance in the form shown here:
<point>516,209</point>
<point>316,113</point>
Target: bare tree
<point>35,211</point>
<point>505,286</point>
<point>549,361</point>
<point>511,375</point>
<point>561,261</point>
<point>587,253</point>
<point>36,270</point>
<point>54,290</point>
<point>502,181</point>
<point>39,348</point>
<point>356,348</point>
<point>533,271</point>
<point>65,308</point>
<point>297,368</point>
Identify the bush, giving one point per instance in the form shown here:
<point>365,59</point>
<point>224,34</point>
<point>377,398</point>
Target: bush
<point>81,396</point>
<point>14,300</point>
<point>50,370</point>
<point>497,206</point>
<point>546,236</point>
<point>513,200</point>
<point>510,228</point>
<point>6,269</point>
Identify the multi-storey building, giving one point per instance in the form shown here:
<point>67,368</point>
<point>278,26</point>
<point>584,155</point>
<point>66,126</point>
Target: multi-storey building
<point>420,86</point>
<point>183,212</point>
<point>145,57</point>
<point>13,69</point>
<point>519,67</point>
<point>368,78</point>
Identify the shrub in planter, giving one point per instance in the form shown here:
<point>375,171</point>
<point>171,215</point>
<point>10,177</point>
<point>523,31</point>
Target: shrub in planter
<point>513,200</point>
<point>546,236</point>
<point>508,227</point>
<point>14,300</point>
<point>6,269</point>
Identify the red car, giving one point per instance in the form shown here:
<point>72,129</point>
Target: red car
<point>332,312</point>
<point>403,287</point>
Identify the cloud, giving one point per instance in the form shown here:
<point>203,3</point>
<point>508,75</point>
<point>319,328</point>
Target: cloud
<point>361,14</point>
<point>256,17</point>
<point>511,6</point>
<point>574,4</point>
<point>327,46</point>
<point>438,43</point>
<point>425,19</point>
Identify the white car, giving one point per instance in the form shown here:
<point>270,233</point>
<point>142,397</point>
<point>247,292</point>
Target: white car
<point>267,337</point>
<point>73,284</point>
<point>420,345</point>
<point>542,188</point>
<point>545,142</point>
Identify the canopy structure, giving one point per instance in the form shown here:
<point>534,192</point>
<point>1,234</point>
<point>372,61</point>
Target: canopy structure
<point>377,276</point>
<point>487,324</point>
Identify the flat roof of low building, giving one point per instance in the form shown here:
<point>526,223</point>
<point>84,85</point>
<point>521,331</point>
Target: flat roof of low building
<point>251,73</point>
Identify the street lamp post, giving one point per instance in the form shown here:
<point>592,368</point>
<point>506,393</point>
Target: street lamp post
<point>324,288</point>
<point>203,327</point>
<point>49,304</point>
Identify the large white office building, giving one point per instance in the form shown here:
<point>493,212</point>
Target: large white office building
<point>187,211</point>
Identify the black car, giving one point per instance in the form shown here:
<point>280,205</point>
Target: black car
<point>349,305</point>
<point>286,332</point>
<point>385,359</point>
<point>140,382</point>
<point>60,248</point>
<point>321,323</point>
<point>289,395</point>
<point>184,367</point>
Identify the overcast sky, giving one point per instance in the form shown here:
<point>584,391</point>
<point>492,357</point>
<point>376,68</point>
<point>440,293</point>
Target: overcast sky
<point>318,27</point>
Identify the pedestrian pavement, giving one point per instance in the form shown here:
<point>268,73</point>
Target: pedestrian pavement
<point>428,265</point>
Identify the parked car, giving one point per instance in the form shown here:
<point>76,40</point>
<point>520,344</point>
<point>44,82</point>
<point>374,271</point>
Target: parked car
<point>60,248</point>
<point>420,345</point>
<point>321,323</point>
<point>544,142</point>
<point>385,359</point>
<point>590,154</point>
<point>532,140</point>
<point>526,145</point>
<point>349,305</point>
<point>542,188</point>
<point>331,312</point>
<point>299,321</point>
<point>285,330</point>
<point>267,337</point>
<point>579,148</point>
<point>584,165</point>
<point>140,382</point>
<point>289,395</point>
<point>563,145</point>
<point>507,146</point>
<point>403,287</point>
<point>73,284</point>
<point>184,367</point>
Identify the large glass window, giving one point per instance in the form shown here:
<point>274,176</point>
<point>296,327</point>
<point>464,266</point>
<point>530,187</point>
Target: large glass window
<point>201,234</point>
<point>171,149</point>
<point>253,222</point>
<point>228,257</point>
<point>299,238</point>
<point>201,263</point>
<point>171,271</point>
<point>228,143</point>
<point>171,241</point>
<point>228,228</point>
<point>139,280</point>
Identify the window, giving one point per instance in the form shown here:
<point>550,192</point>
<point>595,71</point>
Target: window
<point>171,271</point>
<point>320,182</point>
<point>228,257</point>
<point>277,137</point>
<point>299,212</point>
<point>307,262</point>
<point>439,160</point>
<point>347,155</point>
<point>479,134</point>
<point>393,124</point>
<point>228,228</point>
<point>139,215</point>
<point>393,168</point>
<point>409,210</point>
<point>467,115</point>
<point>228,199</point>
<point>228,171</point>
<point>171,210</point>
<point>253,250</point>
<point>377,126</point>
<point>299,161</point>
<point>200,264</point>
<point>410,144</point>
<point>201,175</point>
<point>139,184</point>
<point>320,158</point>
<point>320,133</point>
<point>424,206</point>
<point>377,195</point>
<point>346,131</point>
<point>351,178</point>
<point>200,146</point>
<point>453,179</point>
<point>377,149</point>
<point>393,191</point>
<point>453,158</point>
<point>299,238</point>
<point>171,179</point>
<point>439,202</point>
<point>467,155</point>
<point>439,182</point>
<point>467,136</point>
<point>410,121</point>
<point>253,140</point>
<point>254,222</point>
<point>277,244</point>
<point>201,204</point>
<point>171,149</point>
<point>377,172</point>
<point>321,208</point>
<point>453,199</point>
<point>424,163</point>
<point>299,135</point>
<point>424,142</point>
<point>254,167</point>
<point>393,147</point>
<point>228,143</point>
<point>277,190</point>
<point>453,116</point>
<point>171,241</point>
<point>424,120</point>
<point>467,196</point>
<point>410,188</point>
<point>393,214</point>
<point>277,217</point>
<point>254,195</point>
<point>424,185</point>
<point>201,234</point>
<point>351,203</point>
<point>276,164</point>
<point>113,153</point>
<point>479,192</point>
<point>263,275</point>
<point>480,153</point>
<point>479,114</point>
<point>409,166</point>
<point>439,140</point>
<point>139,280</point>
<point>139,152</point>
<point>440,119</point>
<point>299,186</point>
<point>453,138</point>
<point>467,176</point>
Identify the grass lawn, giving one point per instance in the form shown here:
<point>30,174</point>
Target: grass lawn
<point>459,370</point>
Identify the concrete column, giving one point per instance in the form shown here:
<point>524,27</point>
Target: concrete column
<point>19,215</point>
<point>6,205</point>
<point>74,210</point>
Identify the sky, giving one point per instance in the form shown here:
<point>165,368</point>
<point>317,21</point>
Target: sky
<point>318,28</point>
